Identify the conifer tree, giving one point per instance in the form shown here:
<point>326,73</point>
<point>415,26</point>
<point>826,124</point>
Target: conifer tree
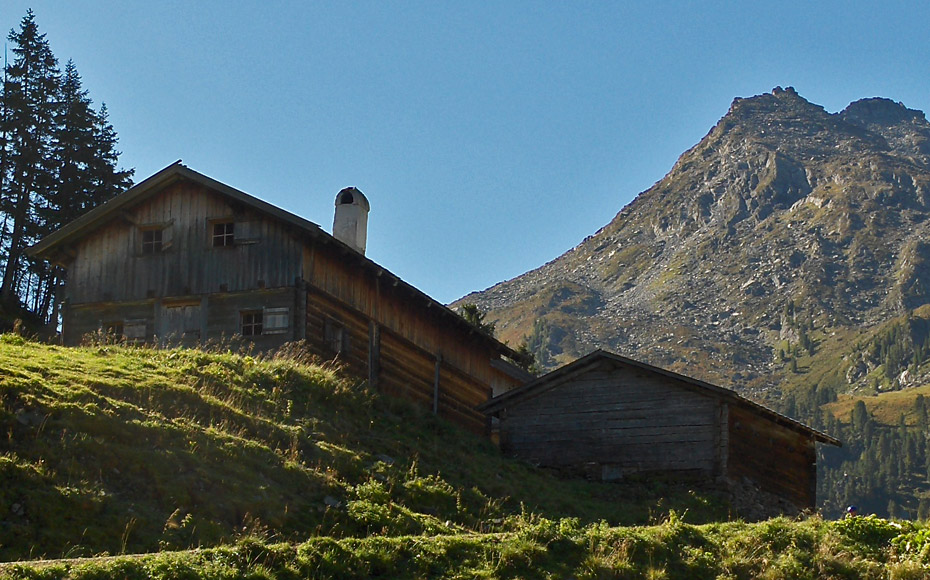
<point>107,179</point>
<point>30,110</point>
<point>58,159</point>
<point>74,151</point>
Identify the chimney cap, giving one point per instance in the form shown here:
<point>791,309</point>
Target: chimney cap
<point>352,196</point>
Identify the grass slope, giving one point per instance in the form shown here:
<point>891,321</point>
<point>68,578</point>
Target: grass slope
<point>111,450</point>
<point>858,548</point>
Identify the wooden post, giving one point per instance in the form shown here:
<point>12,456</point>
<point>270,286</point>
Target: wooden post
<point>436,384</point>
<point>721,439</point>
<point>374,353</point>
<point>300,310</point>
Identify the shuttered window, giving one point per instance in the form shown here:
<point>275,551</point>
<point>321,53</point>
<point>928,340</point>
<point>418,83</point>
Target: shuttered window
<point>134,330</point>
<point>276,321</point>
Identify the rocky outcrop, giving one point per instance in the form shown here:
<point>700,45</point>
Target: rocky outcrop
<point>785,221</point>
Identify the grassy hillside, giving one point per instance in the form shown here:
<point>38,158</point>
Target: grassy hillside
<point>226,466</point>
<point>110,450</point>
<point>860,548</point>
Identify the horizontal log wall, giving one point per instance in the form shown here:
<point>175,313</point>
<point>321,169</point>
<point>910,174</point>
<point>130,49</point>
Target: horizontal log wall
<point>781,461</point>
<point>352,349</point>
<point>403,369</point>
<point>339,273</point>
<point>622,417</point>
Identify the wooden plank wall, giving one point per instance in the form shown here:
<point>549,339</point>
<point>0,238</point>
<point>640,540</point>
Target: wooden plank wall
<point>222,315</point>
<point>341,275</point>
<point>620,417</point>
<point>322,311</point>
<point>782,461</point>
<point>109,264</point>
<point>404,369</point>
<point>219,317</point>
<point>80,320</point>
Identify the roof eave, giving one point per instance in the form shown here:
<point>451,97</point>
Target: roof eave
<point>561,374</point>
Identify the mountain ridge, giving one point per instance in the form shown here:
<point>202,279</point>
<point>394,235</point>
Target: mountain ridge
<point>785,222</point>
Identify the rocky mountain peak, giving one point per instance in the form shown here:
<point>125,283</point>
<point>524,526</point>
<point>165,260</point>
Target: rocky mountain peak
<point>905,130</point>
<point>878,111</point>
<point>784,219</point>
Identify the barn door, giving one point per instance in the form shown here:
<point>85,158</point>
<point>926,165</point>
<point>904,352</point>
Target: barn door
<point>180,325</point>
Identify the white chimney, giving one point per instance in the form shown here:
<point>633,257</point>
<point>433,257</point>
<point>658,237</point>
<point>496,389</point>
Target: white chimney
<point>350,224</point>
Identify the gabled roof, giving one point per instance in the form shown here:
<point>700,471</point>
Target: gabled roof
<point>143,190</point>
<point>55,245</point>
<point>568,372</point>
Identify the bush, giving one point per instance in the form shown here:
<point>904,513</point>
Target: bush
<point>868,535</point>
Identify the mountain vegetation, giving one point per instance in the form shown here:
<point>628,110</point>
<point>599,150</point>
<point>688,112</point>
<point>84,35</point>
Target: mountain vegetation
<point>785,256</point>
<point>58,159</point>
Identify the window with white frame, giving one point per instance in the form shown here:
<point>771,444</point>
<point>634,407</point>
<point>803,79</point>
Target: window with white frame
<point>265,321</point>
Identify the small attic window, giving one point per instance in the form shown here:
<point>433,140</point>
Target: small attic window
<point>223,234</point>
<point>151,241</point>
<point>346,198</point>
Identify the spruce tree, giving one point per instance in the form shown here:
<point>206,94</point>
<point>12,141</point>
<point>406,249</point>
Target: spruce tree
<point>58,160</point>
<point>30,103</point>
<point>106,178</point>
<point>85,158</point>
<point>74,152</point>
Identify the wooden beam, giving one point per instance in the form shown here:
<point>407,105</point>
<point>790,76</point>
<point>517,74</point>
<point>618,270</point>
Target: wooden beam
<point>436,383</point>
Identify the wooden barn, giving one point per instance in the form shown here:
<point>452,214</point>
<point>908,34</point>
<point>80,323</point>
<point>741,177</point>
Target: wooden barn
<point>182,258</point>
<point>609,417</point>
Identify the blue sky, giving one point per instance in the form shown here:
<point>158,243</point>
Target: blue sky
<point>489,137</point>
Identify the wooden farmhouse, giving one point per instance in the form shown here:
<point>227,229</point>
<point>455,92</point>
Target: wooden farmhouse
<point>182,258</point>
<point>610,417</point>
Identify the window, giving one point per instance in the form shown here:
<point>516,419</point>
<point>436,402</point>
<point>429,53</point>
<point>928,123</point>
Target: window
<point>336,337</point>
<point>151,241</point>
<point>250,321</point>
<point>223,235</point>
<point>113,330</point>
<point>134,330</point>
<point>266,321</point>
<point>275,320</point>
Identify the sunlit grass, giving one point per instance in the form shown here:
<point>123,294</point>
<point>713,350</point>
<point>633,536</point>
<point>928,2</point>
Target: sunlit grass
<point>108,449</point>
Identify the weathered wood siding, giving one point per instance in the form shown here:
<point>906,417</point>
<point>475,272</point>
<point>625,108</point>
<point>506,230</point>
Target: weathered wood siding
<point>83,319</point>
<point>396,341</point>
<point>109,264</point>
<point>191,292</point>
<point>624,419</point>
<point>378,299</point>
<point>394,364</point>
<point>779,460</point>
<point>187,320</point>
